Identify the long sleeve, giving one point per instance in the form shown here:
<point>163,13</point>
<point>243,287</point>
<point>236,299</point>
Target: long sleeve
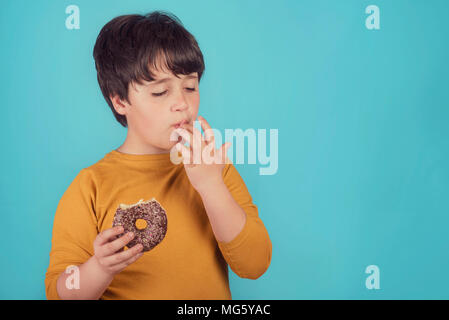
<point>249,253</point>
<point>74,229</point>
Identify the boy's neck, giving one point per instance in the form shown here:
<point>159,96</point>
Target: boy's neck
<point>133,145</point>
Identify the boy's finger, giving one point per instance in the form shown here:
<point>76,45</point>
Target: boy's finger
<point>195,136</point>
<point>108,234</point>
<point>204,124</point>
<point>185,134</point>
<point>221,155</point>
<point>114,246</point>
<point>188,126</point>
<point>124,264</point>
<point>193,132</point>
<point>208,131</point>
<point>198,135</point>
<point>123,256</point>
<point>186,153</point>
<point>224,152</point>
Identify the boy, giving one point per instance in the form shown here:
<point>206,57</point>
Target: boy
<point>148,68</point>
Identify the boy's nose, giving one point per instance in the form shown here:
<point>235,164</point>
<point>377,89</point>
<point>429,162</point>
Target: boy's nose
<point>181,107</point>
<point>181,102</point>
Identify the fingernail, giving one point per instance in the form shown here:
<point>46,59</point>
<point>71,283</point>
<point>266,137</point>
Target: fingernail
<point>130,234</point>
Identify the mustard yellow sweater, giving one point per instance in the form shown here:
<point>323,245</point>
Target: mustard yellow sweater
<point>189,263</point>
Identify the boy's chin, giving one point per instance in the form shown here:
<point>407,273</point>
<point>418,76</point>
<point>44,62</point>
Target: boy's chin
<point>171,145</point>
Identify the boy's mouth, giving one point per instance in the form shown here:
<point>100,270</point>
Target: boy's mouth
<point>179,124</point>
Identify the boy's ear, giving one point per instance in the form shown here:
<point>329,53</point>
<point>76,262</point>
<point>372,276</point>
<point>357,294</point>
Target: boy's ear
<point>120,106</point>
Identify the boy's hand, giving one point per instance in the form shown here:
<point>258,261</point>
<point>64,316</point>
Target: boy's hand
<point>106,251</point>
<point>208,172</point>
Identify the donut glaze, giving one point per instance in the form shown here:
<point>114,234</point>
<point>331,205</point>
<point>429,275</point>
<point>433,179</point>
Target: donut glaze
<point>152,212</point>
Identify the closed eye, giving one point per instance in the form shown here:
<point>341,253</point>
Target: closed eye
<point>158,94</point>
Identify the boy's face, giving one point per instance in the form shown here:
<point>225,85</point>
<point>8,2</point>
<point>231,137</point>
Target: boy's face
<point>156,106</point>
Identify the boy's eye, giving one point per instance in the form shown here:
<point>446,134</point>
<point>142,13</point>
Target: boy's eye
<point>158,94</point>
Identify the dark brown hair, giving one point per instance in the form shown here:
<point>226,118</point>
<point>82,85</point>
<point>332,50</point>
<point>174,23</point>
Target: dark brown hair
<point>129,44</point>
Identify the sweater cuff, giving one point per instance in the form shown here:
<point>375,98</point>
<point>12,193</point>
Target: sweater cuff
<point>238,240</point>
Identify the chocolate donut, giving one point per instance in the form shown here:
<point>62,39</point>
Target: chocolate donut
<point>156,222</point>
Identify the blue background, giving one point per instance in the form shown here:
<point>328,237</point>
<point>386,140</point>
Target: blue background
<point>362,115</point>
